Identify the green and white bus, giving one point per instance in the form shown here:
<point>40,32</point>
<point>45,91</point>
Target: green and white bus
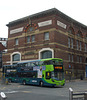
<point>43,72</point>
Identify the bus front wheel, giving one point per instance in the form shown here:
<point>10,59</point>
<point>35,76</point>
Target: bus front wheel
<point>41,83</point>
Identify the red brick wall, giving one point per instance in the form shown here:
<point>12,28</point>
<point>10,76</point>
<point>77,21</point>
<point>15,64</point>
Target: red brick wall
<point>58,42</point>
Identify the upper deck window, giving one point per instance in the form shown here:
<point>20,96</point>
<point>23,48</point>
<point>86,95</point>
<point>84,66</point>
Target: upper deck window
<point>52,62</point>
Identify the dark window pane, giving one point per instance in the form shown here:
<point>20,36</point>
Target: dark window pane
<point>46,54</point>
<point>16,57</point>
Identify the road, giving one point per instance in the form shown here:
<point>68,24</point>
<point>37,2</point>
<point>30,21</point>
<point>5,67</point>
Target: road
<point>27,92</point>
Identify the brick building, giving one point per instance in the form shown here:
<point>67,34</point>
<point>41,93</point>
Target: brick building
<point>47,34</point>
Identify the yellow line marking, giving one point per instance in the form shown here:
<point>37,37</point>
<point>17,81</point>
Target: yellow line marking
<point>3,88</point>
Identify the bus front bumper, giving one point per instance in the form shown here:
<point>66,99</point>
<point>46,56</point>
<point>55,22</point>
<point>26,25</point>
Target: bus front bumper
<point>60,83</point>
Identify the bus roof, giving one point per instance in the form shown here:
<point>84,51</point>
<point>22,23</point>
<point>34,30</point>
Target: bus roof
<point>28,61</point>
<point>41,60</point>
<point>36,61</point>
<point>9,65</point>
<point>52,59</point>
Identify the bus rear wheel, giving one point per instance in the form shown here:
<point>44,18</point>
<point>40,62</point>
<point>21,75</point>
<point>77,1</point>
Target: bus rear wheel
<point>24,82</point>
<point>41,83</point>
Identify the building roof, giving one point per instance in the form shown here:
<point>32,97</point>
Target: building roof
<point>3,39</point>
<point>46,13</point>
<point>2,47</point>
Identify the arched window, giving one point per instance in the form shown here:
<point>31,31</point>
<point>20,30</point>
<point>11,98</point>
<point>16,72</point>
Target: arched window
<point>16,57</point>
<point>79,34</point>
<point>46,54</point>
<point>71,30</point>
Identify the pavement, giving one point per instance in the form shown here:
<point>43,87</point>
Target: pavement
<point>75,80</point>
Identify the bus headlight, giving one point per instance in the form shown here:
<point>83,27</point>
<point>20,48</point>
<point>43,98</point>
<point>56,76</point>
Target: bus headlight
<point>52,80</point>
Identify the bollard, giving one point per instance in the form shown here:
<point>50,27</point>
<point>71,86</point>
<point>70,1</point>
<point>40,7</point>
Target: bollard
<point>70,94</point>
<point>3,96</point>
<point>6,82</point>
<point>85,96</point>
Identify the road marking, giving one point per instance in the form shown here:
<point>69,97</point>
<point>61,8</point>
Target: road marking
<point>26,91</point>
<point>17,91</point>
<point>11,92</point>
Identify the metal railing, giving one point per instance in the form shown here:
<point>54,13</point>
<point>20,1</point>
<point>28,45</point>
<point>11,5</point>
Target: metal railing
<point>77,95</point>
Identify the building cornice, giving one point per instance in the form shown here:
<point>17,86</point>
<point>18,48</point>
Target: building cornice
<point>52,11</point>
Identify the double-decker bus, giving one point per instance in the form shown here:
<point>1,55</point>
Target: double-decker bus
<point>48,72</point>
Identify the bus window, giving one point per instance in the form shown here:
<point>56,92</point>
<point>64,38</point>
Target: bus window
<point>32,64</point>
<point>32,74</point>
<point>48,62</point>
<point>28,74</point>
<point>20,65</point>
<point>25,64</point>
<point>13,74</point>
<point>10,75</point>
<point>45,63</point>
<point>57,75</point>
<point>56,62</point>
<point>19,74</point>
<point>35,64</point>
<point>29,64</point>
<point>6,75</point>
<point>40,63</point>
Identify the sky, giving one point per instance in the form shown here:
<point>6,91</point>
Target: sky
<point>11,10</point>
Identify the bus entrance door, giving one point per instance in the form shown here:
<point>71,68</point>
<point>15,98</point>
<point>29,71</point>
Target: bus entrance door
<point>86,70</point>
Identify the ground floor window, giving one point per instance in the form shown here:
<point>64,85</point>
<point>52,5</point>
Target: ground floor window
<point>15,57</point>
<point>46,53</point>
